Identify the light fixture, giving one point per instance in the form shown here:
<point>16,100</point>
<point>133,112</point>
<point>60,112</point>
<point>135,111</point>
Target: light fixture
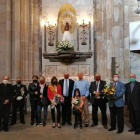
<point>137,11</point>
<point>84,22</point>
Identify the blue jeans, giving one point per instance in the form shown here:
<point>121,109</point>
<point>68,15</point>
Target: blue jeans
<point>39,109</point>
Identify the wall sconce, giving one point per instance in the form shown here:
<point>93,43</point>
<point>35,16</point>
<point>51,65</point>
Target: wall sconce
<point>84,23</point>
<point>51,31</point>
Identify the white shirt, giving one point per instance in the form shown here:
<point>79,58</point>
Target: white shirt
<point>98,88</point>
<point>64,87</point>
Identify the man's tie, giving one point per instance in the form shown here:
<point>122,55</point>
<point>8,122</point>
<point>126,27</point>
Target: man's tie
<point>132,86</point>
<point>66,88</point>
<point>114,84</point>
<point>96,86</point>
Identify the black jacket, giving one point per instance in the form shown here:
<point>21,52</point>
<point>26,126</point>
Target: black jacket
<point>6,93</point>
<point>44,95</point>
<point>71,84</point>
<point>17,92</point>
<point>134,97</point>
<point>32,88</point>
<point>92,88</point>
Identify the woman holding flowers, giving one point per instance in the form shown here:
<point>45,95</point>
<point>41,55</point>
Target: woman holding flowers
<point>55,96</point>
<point>77,103</point>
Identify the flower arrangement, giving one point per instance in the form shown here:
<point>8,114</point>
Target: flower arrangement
<point>109,90</point>
<point>76,102</point>
<point>58,99</point>
<point>64,45</point>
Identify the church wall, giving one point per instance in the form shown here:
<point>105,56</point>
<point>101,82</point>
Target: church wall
<point>51,8</point>
<point>2,38</point>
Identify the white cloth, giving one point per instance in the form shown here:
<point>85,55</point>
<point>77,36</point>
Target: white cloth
<point>64,87</point>
<point>19,98</point>
<point>66,36</point>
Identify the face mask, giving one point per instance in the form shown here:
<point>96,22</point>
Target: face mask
<point>80,76</point>
<point>116,79</point>
<point>5,81</point>
<point>18,82</point>
<point>97,78</point>
<point>132,79</point>
<point>35,81</point>
<point>42,82</point>
<point>54,82</point>
<point>77,94</point>
<point>66,76</point>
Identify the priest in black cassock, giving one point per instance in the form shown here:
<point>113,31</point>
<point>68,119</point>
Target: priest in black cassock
<point>6,94</point>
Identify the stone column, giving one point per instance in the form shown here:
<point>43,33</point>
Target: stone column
<point>9,38</point>
<point>31,54</point>
<point>17,40</point>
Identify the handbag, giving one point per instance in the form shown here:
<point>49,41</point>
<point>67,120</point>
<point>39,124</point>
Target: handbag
<point>44,101</point>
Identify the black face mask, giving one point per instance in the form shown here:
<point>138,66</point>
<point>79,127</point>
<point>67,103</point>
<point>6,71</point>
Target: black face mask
<point>35,81</point>
<point>18,82</point>
<point>54,82</point>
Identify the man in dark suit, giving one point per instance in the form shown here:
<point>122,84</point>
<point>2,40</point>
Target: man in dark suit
<point>132,99</point>
<point>67,88</point>
<point>116,105</point>
<point>97,100</point>
<point>6,94</point>
<point>18,101</point>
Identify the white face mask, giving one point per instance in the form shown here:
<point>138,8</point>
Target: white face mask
<point>116,79</point>
<point>5,81</point>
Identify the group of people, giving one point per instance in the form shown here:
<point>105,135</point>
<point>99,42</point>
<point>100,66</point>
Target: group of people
<point>41,95</point>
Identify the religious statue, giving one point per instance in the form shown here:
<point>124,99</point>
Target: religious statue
<point>66,35</point>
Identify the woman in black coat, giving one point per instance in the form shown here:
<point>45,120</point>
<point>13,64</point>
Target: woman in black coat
<point>43,100</point>
<point>33,91</point>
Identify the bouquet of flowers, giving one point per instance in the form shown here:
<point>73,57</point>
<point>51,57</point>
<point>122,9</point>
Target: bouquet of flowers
<point>76,102</point>
<point>64,45</point>
<point>58,99</point>
<point>109,90</point>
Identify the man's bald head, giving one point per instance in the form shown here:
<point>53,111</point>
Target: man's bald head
<point>132,75</point>
<point>5,77</point>
<point>97,74</point>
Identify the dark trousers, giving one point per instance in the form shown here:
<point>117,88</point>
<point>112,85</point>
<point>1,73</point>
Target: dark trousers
<point>134,117</point>
<point>66,112</point>
<point>78,117</point>
<point>34,110</point>
<point>119,113</point>
<point>58,113</point>
<point>14,113</point>
<point>102,105</point>
<point>4,113</point>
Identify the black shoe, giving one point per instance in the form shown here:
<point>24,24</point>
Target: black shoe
<point>86,125</point>
<point>12,123</point>
<point>32,123</point>
<point>37,124</point>
<point>40,123</point>
<point>81,127</point>
<point>119,131</point>
<point>23,122</point>
<point>93,125</point>
<point>53,126</point>
<point>75,125</point>
<point>44,124</point>
<point>105,127</point>
<point>63,123</point>
<point>69,123</point>
<point>6,130</point>
<point>137,132</point>
<point>131,130</point>
<point>111,129</point>
<point>59,126</point>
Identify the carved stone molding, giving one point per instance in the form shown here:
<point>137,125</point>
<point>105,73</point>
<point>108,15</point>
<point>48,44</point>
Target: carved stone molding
<point>37,3</point>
